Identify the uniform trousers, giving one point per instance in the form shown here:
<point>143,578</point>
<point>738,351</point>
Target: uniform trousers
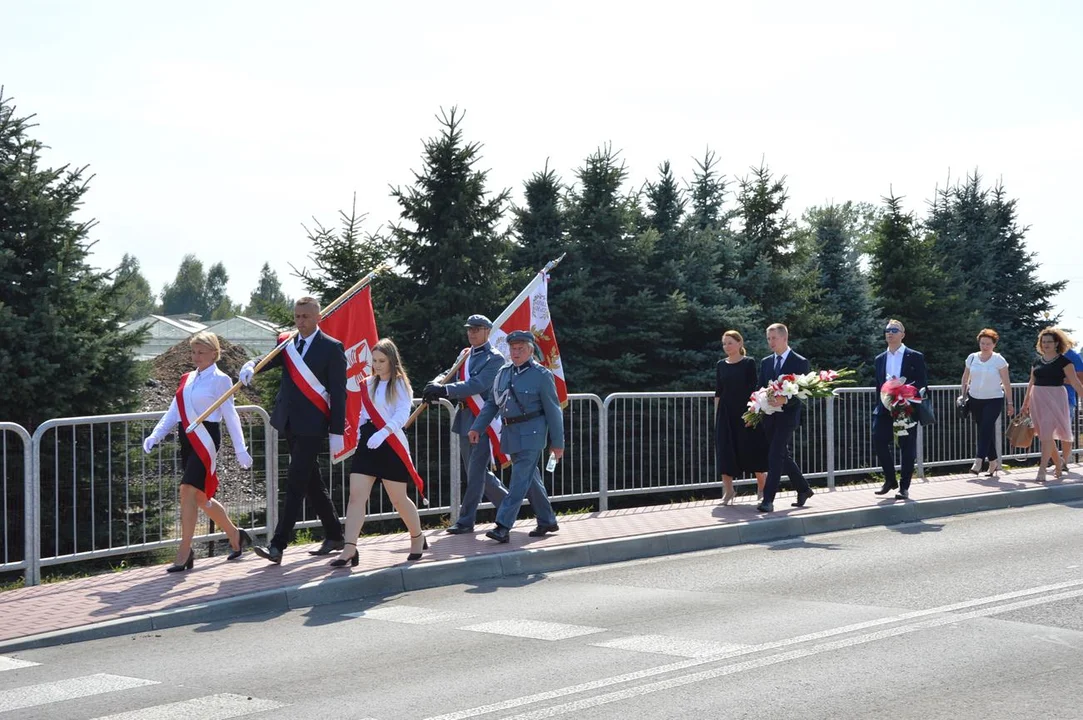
<point>525,477</point>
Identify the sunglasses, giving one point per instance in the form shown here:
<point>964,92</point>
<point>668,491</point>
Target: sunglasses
<point>892,330</point>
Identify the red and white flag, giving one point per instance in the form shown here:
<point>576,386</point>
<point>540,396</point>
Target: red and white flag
<point>530,311</point>
<point>354,325</point>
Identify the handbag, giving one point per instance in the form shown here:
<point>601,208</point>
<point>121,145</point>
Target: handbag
<point>962,404</point>
<point>925,413</point>
<point>1021,432</point>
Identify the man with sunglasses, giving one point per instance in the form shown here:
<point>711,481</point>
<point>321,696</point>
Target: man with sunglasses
<point>898,361</point>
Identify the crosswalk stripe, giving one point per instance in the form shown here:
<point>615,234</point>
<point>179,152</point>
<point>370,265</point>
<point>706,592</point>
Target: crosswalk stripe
<point>212,707</point>
<point>409,614</point>
<point>7,663</point>
<point>667,645</point>
<point>61,690</point>
<point>534,629</point>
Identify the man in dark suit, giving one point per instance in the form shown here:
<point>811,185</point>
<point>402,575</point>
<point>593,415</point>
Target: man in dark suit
<point>898,361</point>
<point>780,426</point>
<point>310,405</point>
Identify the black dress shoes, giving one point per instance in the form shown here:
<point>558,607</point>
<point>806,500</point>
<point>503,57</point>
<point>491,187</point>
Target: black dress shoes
<point>270,553</point>
<point>458,529</point>
<point>802,498</point>
<point>886,488</point>
<point>902,495</point>
<point>543,530</point>
<point>328,547</point>
<point>765,507</point>
<point>499,533</point>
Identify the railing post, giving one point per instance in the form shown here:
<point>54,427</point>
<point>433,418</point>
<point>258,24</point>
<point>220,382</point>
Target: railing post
<point>456,464</point>
<point>270,467</point>
<point>921,451</point>
<point>830,420</point>
<point>603,458</point>
<point>32,512</point>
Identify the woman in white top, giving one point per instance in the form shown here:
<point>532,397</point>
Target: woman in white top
<point>986,382</point>
<point>378,456</point>
<point>199,390</point>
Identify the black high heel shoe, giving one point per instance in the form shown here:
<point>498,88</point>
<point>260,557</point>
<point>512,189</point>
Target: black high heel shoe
<point>242,540</point>
<point>424,546</point>
<point>188,565</point>
<point>340,562</point>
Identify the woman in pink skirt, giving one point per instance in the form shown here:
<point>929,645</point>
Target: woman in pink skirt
<point>1047,399</point>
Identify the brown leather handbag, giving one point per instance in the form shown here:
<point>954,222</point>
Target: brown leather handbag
<point>1021,432</point>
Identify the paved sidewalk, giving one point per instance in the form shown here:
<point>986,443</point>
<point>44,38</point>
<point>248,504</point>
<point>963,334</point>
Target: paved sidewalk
<point>145,599</point>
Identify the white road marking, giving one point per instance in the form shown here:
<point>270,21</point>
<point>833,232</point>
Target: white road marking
<point>410,615</point>
<point>758,663</point>
<point>810,637</point>
<point>535,629</point>
<point>61,690</point>
<point>211,707</point>
<point>7,663</point>
<point>669,645</point>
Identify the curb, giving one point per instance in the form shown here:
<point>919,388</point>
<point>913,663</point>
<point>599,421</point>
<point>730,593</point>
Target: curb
<point>541,560</point>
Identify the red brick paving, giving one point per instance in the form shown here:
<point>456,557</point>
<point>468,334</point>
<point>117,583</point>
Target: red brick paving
<point>85,601</point>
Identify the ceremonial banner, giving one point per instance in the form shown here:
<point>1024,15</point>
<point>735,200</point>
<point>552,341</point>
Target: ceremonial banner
<point>354,325</point>
<point>530,311</point>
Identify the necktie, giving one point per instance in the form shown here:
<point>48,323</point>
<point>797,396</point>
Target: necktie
<point>300,346</point>
<point>778,365</point>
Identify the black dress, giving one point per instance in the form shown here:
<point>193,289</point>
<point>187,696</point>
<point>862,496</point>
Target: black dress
<point>738,449</point>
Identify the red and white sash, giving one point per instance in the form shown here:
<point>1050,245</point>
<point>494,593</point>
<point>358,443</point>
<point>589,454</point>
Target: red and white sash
<point>475,403</point>
<point>396,443</point>
<point>200,439</point>
<point>305,379</point>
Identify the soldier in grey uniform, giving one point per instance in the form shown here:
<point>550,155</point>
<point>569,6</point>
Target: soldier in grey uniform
<point>482,367</point>
<point>525,395</point>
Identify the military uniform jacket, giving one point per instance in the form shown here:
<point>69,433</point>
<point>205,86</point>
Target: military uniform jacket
<point>527,391</point>
<point>484,364</point>
<point>327,361</point>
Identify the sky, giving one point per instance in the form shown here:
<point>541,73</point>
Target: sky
<point>221,128</point>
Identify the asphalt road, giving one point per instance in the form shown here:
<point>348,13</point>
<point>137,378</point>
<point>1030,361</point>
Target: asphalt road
<point>979,616</point>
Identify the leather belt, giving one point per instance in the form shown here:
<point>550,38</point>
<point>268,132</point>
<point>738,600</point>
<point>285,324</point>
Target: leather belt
<point>522,418</point>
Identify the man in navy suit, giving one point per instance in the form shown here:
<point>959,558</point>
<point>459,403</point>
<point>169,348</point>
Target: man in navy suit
<point>311,405</point>
<point>898,361</point>
<point>780,426</point>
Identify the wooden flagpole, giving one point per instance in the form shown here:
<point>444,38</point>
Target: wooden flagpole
<point>462,356</point>
<point>356,288</point>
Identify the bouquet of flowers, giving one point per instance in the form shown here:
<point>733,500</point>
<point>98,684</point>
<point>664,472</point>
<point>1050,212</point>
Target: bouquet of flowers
<point>901,400</point>
<point>810,385</point>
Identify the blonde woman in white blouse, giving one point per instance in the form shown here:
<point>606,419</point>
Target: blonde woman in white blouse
<point>383,453</point>
<point>198,391</point>
<point>986,381</point>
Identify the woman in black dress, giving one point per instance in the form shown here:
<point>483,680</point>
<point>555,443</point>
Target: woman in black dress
<point>739,449</point>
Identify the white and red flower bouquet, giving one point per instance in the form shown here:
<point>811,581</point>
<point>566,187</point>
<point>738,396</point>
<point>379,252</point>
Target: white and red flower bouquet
<point>816,384</point>
<point>901,400</point>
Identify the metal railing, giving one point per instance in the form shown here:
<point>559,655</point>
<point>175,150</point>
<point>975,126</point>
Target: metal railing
<point>88,490</point>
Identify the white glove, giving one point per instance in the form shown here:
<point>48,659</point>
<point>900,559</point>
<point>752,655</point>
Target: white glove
<point>149,444</point>
<point>337,444</point>
<point>244,458</point>
<point>247,371</point>
<point>377,439</point>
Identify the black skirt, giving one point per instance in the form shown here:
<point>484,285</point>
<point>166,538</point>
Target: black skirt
<point>382,463</point>
<point>195,473</point>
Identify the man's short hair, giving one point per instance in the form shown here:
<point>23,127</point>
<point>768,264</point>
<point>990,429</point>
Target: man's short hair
<point>779,328</point>
<point>307,300</point>
<point>893,321</point>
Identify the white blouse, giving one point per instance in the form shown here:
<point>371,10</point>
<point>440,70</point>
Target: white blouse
<point>985,376</point>
<point>394,415</point>
<point>208,386</point>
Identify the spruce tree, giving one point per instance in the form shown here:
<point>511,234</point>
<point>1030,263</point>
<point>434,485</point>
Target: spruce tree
<point>909,284</point>
<point>64,354</point>
<point>449,246</point>
<point>268,297</point>
<point>538,228</point>
<point>608,317</point>
<point>849,333</point>
<point>133,293</point>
